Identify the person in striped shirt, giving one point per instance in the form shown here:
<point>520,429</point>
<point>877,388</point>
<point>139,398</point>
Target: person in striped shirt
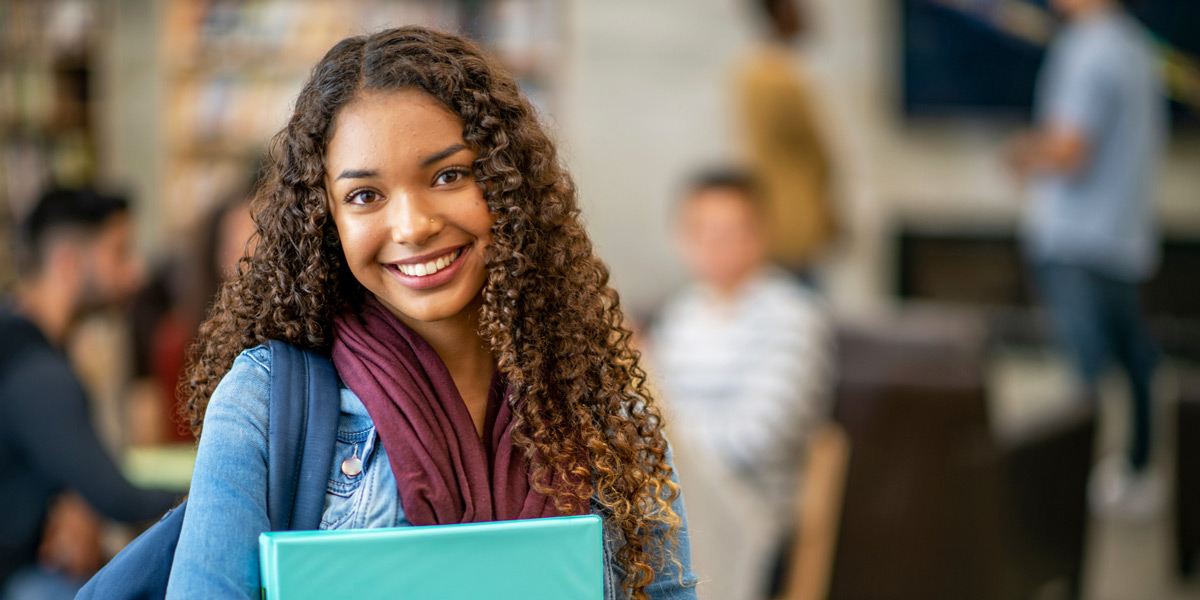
<point>743,353</point>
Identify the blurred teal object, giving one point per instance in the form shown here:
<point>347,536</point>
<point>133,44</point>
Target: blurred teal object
<point>532,559</point>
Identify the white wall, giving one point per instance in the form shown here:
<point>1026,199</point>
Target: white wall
<point>644,105</point>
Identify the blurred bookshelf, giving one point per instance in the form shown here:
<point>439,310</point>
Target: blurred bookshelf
<point>47,132</point>
<point>232,70</point>
<point>187,105</point>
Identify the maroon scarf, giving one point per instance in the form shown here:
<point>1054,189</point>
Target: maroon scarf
<point>444,472</point>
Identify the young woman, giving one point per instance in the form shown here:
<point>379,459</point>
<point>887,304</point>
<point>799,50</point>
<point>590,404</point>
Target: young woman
<point>416,225</point>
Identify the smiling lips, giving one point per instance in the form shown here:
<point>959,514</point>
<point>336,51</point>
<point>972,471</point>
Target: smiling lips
<point>431,273</point>
<point>429,268</point>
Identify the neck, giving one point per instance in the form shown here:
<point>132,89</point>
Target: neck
<point>782,40</point>
<point>729,290</point>
<point>50,304</point>
<point>456,341</point>
<point>1093,9</point>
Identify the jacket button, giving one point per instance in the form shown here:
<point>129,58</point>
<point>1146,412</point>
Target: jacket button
<point>352,466</point>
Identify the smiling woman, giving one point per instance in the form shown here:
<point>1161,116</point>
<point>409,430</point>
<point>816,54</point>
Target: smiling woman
<point>416,227</point>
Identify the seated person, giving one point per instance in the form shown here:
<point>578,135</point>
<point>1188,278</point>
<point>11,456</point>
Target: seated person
<point>166,313</point>
<point>743,353</point>
<point>74,257</point>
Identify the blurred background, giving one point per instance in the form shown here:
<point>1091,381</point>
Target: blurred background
<point>963,460</point>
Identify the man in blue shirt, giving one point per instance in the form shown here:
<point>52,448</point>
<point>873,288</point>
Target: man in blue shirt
<point>1090,236</point>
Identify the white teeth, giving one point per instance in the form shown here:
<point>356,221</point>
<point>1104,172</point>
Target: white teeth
<point>431,267</point>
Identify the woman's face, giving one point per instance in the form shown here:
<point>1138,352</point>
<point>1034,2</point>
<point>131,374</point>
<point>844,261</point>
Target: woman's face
<point>412,220</point>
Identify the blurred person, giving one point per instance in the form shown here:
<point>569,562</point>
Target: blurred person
<point>744,351</point>
<point>779,127</point>
<point>167,312</point>
<point>1100,129</point>
<point>74,258</point>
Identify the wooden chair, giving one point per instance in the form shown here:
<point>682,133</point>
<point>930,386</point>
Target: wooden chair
<point>819,511</point>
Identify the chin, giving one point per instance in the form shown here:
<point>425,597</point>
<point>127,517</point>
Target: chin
<point>432,310</point>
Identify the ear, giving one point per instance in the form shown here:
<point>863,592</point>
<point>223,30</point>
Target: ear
<point>65,257</point>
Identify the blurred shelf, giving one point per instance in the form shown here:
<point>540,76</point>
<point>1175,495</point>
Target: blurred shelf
<point>46,102</point>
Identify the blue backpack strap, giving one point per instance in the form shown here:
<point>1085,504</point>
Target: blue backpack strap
<point>302,430</point>
<point>301,436</point>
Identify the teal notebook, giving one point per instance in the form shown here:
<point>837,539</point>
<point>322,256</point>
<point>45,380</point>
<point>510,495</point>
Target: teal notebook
<point>535,559</point>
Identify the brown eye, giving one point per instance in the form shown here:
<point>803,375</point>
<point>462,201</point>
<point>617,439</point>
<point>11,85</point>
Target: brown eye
<point>450,177</point>
<point>362,197</point>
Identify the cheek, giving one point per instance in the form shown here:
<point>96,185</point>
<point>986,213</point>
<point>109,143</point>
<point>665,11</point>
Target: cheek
<point>482,219</point>
<point>702,256</point>
<point>106,264</point>
<point>485,234</point>
<point>354,238</point>
<point>357,253</point>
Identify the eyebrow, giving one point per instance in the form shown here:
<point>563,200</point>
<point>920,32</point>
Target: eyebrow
<point>450,150</point>
<point>425,162</point>
<point>358,174</point>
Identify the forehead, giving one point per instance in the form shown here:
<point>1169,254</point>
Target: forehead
<point>719,204</point>
<point>116,227</point>
<point>400,123</point>
<point>114,234</point>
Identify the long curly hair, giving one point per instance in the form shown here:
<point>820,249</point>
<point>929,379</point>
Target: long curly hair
<point>587,422</point>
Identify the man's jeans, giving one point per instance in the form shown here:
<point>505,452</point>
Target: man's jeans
<point>36,583</point>
<point>1096,318</point>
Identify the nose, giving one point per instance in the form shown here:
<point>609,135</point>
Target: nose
<point>413,220</point>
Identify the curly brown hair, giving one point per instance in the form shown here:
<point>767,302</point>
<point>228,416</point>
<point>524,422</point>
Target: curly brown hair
<point>549,315</point>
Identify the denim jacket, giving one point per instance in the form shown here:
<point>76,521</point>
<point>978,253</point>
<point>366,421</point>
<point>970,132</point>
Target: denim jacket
<point>217,555</point>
